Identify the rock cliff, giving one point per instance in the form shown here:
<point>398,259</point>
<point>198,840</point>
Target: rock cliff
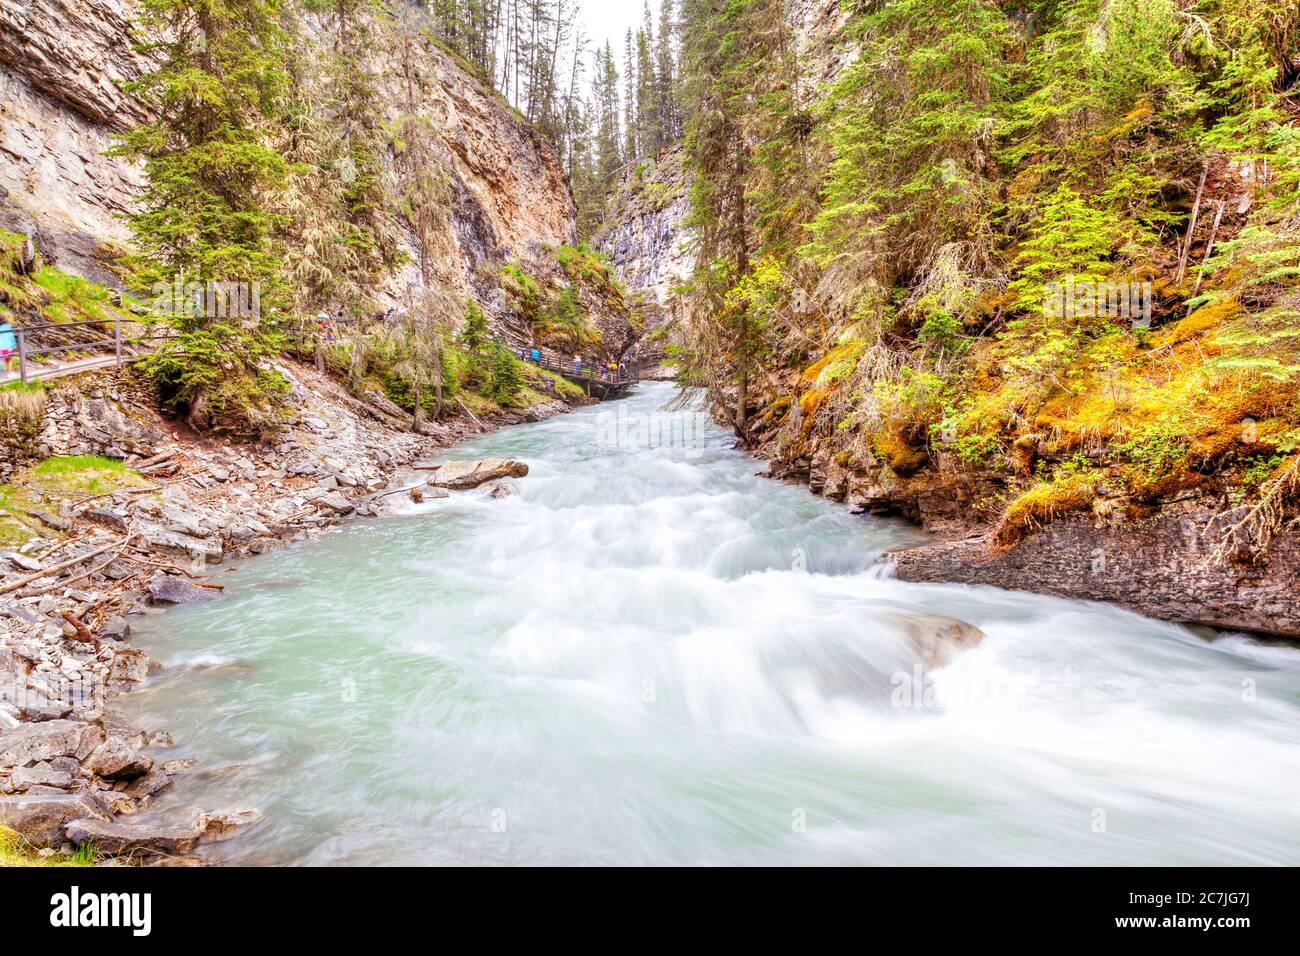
<point>61,66</point>
<point>645,235</point>
<point>61,63</point>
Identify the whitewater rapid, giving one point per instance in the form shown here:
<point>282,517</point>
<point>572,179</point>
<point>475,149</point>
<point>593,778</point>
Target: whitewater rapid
<point>650,655</point>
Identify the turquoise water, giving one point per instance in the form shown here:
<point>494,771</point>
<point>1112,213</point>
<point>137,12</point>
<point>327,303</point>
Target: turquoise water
<point>651,655</point>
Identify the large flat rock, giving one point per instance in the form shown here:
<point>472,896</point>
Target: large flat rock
<point>118,838</point>
<point>42,820</point>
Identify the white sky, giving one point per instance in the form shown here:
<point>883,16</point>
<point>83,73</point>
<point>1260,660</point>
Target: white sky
<point>610,19</point>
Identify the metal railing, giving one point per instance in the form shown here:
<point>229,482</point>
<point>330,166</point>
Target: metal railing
<point>28,349</point>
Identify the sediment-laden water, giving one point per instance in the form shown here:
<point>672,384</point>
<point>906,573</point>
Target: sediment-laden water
<point>651,655</point>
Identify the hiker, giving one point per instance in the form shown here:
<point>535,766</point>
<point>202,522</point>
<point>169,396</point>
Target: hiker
<point>577,364</point>
<point>326,331</point>
<point>622,370</point>
<point>8,346</point>
<point>537,357</point>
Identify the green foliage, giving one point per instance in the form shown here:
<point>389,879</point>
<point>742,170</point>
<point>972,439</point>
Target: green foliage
<point>505,382</point>
<point>966,158</point>
<point>474,333</point>
<point>202,213</point>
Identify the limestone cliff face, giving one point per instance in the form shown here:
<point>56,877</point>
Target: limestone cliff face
<point>508,199</point>
<point>61,65</point>
<point>61,62</point>
<point>645,236</point>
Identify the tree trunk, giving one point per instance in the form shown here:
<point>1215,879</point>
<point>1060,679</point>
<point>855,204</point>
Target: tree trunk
<point>417,421</point>
<point>437,386</point>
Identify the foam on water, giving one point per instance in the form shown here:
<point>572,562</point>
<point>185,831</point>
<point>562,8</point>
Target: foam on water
<point>651,655</point>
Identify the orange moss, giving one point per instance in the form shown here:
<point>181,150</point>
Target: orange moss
<point>1041,505</point>
<point>1205,318</point>
<point>903,458</point>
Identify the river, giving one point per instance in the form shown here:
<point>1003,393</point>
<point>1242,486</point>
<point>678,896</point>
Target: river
<point>651,655</point>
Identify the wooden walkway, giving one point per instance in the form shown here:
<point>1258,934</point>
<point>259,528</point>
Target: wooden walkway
<point>599,381</point>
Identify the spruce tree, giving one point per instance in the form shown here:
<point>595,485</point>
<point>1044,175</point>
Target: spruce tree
<point>202,215</point>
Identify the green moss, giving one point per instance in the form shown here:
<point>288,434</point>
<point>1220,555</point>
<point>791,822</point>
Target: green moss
<point>71,298</point>
<point>81,475</point>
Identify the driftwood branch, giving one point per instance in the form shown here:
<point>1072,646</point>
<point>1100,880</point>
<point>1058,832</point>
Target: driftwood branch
<point>70,563</point>
<point>1191,226</point>
<point>472,416</point>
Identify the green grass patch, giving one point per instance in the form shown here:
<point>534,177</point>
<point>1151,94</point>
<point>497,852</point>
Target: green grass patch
<point>72,298</point>
<point>16,526</point>
<point>30,388</point>
<point>16,852</point>
<point>81,474</point>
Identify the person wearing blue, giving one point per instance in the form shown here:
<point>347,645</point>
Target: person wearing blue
<point>537,357</point>
<point>8,346</point>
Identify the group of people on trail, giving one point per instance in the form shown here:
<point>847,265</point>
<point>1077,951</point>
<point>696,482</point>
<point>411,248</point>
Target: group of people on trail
<point>615,369</point>
<point>325,325</point>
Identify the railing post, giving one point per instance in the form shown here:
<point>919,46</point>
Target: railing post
<point>117,341</point>
<point>22,355</point>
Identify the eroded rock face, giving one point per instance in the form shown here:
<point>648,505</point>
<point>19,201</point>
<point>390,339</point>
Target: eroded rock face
<point>508,195</point>
<point>60,65</point>
<point>1163,566</point>
<point>645,238</point>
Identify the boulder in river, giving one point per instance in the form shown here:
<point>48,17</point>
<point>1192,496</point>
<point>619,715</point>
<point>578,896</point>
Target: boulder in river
<point>173,589</point>
<point>216,827</point>
<point>937,637</point>
<point>502,488</point>
<point>459,475</point>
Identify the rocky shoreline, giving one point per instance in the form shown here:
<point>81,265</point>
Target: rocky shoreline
<point>72,770</point>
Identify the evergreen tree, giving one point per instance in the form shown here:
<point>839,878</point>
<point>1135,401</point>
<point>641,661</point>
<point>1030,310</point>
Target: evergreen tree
<point>202,214</point>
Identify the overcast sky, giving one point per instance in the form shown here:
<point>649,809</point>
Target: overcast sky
<point>610,19</point>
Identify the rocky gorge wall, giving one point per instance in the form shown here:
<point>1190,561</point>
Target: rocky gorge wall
<point>60,103</point>
<point>645,236</point>
<point>61,66</point>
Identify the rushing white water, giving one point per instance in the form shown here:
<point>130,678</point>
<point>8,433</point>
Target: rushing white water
<point>651,655</point>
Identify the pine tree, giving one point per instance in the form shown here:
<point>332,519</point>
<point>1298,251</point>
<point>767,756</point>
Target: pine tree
<point>202,214</point>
